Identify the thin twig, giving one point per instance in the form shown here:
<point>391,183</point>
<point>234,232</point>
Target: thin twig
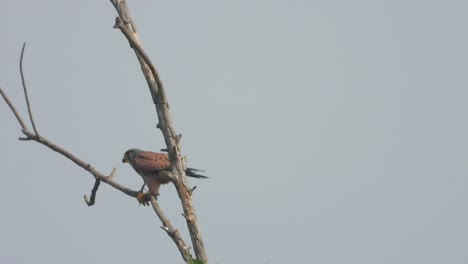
<point>124,13</point>
<point>170,137</point>
<point>192,189</point>
<point>25,89</point>
<point>92,200</point>
<point>86,166</point>
<point>32,136</point>
<point>137,47</point>
<point>112,174</point>
<point>13,109</point>
<point>171,231</point>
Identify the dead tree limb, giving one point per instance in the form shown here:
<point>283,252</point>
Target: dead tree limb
<point>170,230</point>
<point>165,123</point>
<point>23,81</point>
<point>30,135</point>
<point>125,23</point>
<point>92,200</point>
<point>98,176</point>
<point>88,201</point>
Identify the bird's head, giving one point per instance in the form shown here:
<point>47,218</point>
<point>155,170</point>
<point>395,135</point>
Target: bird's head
<point>130,155</point>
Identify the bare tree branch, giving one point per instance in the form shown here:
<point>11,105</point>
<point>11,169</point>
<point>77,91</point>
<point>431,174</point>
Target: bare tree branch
<point>136,45</point>
<point>86,166</point>
<point>91,201</point>
<point>99,177</point>
<point>13,109</point>
<point>170,136</point>
<point>36,137</point>
<point>125,23</point>
<point>171,231</point>
<point>124,13</point>
<point>23,81</point>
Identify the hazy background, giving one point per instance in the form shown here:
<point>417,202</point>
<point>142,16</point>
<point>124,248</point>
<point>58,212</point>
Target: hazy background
<point>333,131</point>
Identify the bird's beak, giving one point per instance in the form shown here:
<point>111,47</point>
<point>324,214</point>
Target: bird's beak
<point>124,159</point>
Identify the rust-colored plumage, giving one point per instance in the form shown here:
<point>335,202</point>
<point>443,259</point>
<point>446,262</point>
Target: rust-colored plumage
<point>155,169</point>
<point>148,161</point>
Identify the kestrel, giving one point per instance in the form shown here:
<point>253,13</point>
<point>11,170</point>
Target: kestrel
<point>155,169</point>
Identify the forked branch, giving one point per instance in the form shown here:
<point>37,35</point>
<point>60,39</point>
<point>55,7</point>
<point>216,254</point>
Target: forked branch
<point>98,176</point>
<point>165,123</point>
<point>125,23</point>
<point>29,135</point>
<point>23,81</point>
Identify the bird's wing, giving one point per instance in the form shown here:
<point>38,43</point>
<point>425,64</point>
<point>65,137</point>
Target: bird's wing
<point>148,161</point>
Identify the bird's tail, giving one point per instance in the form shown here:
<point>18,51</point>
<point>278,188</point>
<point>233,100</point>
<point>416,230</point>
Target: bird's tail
<point>191,172</point>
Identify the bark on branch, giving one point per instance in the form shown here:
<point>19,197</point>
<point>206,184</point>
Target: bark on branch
<point>165,123</point>
<point>98,176</point>
<point>126,25</point>
<point>30,135</point>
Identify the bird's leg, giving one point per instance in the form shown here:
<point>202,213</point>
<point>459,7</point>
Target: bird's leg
<point>143,198</point>
<point>142,187</point>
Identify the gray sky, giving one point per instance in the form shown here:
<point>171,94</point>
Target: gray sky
<point>334,131</point>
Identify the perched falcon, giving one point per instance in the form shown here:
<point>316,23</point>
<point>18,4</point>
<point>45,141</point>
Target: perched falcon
<point>155,169</point>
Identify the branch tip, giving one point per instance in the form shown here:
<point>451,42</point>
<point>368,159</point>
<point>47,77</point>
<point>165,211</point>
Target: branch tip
<point>25,89</point>
<point>92,200</point>
<point>118,23</point>
<point>190,191</point>
<point>178,137</point>
<point>112,174</point>
<point>87,201</point>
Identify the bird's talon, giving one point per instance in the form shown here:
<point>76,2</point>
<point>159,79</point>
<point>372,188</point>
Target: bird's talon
<point>143,198</point>
<point>155,169</point>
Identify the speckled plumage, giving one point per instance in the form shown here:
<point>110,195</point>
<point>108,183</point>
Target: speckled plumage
<point>154,168</point>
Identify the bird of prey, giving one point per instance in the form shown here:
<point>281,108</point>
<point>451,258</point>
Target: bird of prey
<point>155,169</point>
